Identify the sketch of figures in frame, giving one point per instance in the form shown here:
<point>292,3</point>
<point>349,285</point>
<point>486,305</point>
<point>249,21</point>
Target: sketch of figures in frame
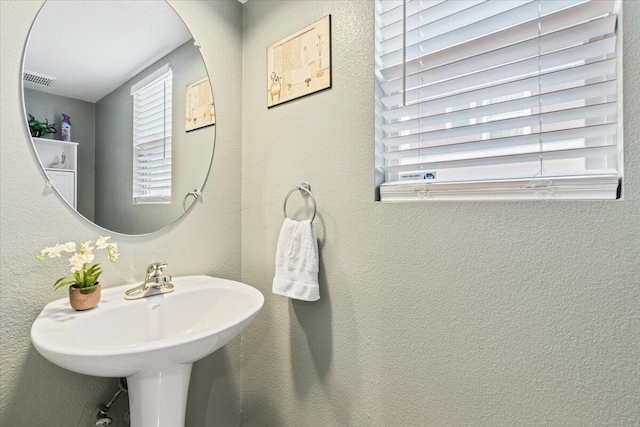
<point>300,64</point>
<point>200,111</point>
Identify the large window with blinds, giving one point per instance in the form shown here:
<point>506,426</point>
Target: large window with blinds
<point>498,99</point>
<point>152,120</point>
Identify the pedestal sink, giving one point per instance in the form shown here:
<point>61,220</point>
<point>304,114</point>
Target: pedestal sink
<point>152,341</point>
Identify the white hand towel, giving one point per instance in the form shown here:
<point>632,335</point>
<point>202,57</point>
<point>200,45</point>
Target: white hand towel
<point>297,261</point>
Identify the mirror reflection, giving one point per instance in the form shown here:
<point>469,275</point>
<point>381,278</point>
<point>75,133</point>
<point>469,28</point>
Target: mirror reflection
<point>120,110</point>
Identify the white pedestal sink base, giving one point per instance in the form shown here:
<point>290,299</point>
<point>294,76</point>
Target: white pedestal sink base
<point>159,399</point>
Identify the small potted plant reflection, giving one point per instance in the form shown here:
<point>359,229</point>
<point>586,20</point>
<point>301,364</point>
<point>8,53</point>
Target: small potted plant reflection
<point>38,129</point>
<point>84,289</point>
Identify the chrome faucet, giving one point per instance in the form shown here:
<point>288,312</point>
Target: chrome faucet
<point>155,283</point>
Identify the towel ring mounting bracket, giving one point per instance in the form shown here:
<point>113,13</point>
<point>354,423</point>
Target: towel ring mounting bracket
<point>305,189</point>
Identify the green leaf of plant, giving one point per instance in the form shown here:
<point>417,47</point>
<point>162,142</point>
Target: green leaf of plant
<point>63,281</point>
<point>93,268</point>
<point>78,278</point>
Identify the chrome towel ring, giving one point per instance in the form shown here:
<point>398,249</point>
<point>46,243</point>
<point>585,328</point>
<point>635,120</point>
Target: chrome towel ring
<point>195,193</point>
<point>305,189</point>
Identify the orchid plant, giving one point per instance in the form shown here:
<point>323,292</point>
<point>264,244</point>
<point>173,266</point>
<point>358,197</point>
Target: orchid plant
<point>83,273</point>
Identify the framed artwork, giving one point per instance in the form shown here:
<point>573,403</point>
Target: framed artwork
<point>200,111</point>
<point>300,64</point>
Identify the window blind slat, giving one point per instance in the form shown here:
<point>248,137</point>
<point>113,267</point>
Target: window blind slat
<point>515,159</point>
<point>153,155</point>
<point>155,182</point>
<point>430,159</point>
<point>159,128</point>
<point>157,189</point>
<point>162,157</point>
<point>142,115</point>
<point>159,106</point>
<point>587,152</point>
<point>597,135</point>
<point>143,103</point>
<point>152,135</point>
<point>152,144</point>
<point>152,172</point>
<point>152,169</point>
<point>160,149</point>
<point>153,124</point>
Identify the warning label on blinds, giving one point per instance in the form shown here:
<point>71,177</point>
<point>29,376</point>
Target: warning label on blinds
<point>413,176</point>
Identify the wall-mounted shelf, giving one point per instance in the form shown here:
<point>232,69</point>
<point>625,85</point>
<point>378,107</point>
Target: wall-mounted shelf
<point>63,178</point>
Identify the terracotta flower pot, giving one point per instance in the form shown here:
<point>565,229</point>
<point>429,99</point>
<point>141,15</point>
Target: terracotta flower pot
<point>84,298</point>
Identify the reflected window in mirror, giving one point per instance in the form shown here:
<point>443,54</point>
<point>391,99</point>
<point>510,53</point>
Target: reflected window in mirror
<point>152,118</point>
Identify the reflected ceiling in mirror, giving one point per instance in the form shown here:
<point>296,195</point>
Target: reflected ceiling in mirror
<point>128,94</point>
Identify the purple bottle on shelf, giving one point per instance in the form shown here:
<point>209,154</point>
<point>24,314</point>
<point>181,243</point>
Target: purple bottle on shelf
<point>65,127</point>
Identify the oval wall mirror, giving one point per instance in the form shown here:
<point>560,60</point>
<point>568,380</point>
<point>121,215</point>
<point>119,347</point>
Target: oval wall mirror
<point>118,103</point>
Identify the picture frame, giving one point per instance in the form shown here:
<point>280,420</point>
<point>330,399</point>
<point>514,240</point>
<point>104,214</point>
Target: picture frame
<point>300,64</point>
<point>200,111</point>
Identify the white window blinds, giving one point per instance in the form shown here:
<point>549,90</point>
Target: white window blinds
<point>152,138</point>
<point>487,99</point>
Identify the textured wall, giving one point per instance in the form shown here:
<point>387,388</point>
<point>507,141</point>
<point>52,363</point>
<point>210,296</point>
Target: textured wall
<point>34,391</point>
<point>476,313</point>
<point>522,313</point>
<point>42,106</point>
<point>191,151</point>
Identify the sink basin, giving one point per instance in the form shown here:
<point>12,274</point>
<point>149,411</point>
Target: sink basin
<point>152,341</point>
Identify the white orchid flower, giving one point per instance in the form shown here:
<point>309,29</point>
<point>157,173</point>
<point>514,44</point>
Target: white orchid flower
<point>76,262</point>
<point>79,260</point>
<point>112,252</point>
<point>52,252</point>
<point>86,247</point>
<point>55,251</point>
<point>68,247</point>
<point>101,243</point>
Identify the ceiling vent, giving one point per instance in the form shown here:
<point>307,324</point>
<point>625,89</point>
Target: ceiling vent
<point>37,78</point>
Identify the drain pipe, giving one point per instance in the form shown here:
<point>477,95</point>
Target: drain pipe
<point>102,419</point>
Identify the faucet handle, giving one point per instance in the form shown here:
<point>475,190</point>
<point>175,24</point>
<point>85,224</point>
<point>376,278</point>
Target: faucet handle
<point>155,269</point>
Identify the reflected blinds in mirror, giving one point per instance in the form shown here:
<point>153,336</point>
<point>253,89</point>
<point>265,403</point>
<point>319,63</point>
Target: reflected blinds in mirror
<point>152,120</point>
<point>483,97</point>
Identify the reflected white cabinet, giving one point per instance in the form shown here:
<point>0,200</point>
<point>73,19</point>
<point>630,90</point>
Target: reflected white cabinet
<point>65,183</point>
<point>59,160</point>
